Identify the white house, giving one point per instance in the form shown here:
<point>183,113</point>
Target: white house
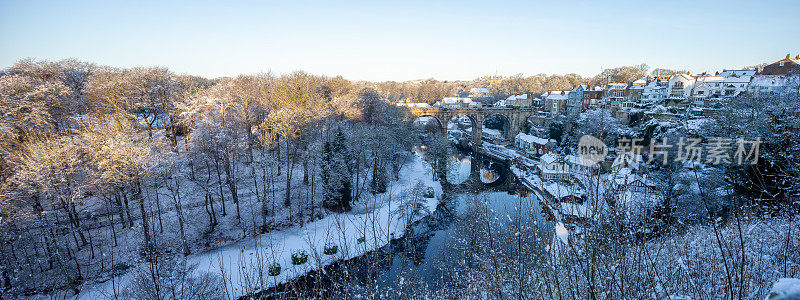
<point>654,92</point>
<point>774,85</point>
<point>706,87</point>
<point>625,180</point>
<point>534,145</point>
<point>732,86</point>
<point>709,88</point>
<point>553,167</point>
<point>680,87</point>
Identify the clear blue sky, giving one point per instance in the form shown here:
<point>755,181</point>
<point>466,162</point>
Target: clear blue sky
<point>377,40</point>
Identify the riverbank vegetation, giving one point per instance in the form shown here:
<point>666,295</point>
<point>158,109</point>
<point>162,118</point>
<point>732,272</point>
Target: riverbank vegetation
<point>113,171</point>
<point>105,169</point>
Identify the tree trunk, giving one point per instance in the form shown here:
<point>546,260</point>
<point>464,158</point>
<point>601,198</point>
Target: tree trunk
<point>158,206</point>
<point>219,183</point>
<point>179,211</point>
<point>127,208</point>
<point>145,226</point>
<point>230,179</point>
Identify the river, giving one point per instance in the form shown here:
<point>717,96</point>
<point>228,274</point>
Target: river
<point>426,256</point>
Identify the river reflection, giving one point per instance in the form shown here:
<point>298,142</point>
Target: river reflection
<point>438,244</point>
<point>459,169</point>
<point>490,173</point>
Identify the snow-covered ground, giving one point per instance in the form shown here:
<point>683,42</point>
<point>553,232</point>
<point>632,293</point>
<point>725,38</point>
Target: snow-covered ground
<point>370,225</point>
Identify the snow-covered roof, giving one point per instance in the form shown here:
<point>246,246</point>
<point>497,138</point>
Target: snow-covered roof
<point>625,178</point>
<point>556,95</point>
<point>710,79</point>
<point>729,73</point>
<point>517,97</point>
<point>548,158</point>
<point>583,87</point>
<point>456,100</point>
<point>775,80</point>
<point>680,76</point>
<point>576,160</point>
<point>532,139</point>
<point>738,79</point>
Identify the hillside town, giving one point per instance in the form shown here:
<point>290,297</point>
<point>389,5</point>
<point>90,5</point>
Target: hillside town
<point>663,96</point>
<point>553,166</point>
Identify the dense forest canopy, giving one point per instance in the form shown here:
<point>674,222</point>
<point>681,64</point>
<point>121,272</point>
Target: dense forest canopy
<point>104,169</point>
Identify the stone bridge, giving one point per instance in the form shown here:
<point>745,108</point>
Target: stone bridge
<point>515,118</point>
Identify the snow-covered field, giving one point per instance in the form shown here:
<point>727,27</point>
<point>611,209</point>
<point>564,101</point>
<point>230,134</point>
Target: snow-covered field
<point>370,225</point>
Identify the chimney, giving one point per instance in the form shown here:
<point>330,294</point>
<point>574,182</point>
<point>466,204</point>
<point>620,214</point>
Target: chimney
<point>797,56</point>
<point>788,55</point>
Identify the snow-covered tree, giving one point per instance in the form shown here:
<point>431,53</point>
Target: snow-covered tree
<point>336,184</point>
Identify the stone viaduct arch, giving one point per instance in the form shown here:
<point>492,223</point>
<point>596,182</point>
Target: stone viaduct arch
<point>515,116</point>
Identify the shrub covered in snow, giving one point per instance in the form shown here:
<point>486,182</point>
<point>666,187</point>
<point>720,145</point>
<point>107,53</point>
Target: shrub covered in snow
<point>274,269</point>
<point>299,257</point>
<point>330,249</point>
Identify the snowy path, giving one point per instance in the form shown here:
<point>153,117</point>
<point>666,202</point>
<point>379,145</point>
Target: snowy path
<point>370,225</point>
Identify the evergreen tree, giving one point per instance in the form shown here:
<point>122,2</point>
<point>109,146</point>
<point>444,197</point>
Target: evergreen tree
<point>379,179</point>
<point>336,173</point>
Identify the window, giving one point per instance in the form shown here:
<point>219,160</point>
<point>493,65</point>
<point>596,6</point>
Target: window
<point>781,64</point>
